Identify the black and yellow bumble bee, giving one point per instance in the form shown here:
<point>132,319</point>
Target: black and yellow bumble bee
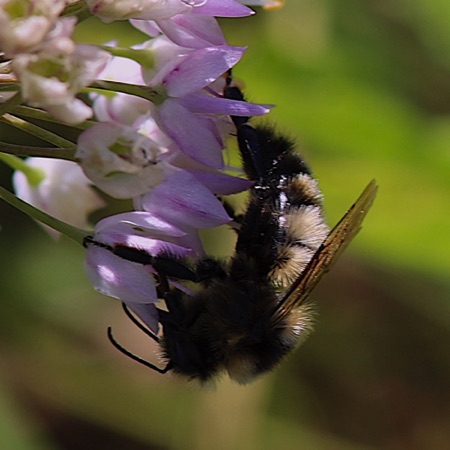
<point>252,310</point>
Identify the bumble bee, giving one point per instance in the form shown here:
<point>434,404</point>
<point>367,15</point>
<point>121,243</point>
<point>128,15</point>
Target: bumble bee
<point>252,310</point>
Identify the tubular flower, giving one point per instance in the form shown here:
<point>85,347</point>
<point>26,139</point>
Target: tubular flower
<point>24,24</point>
<point>51,78</point>
<point>120,161</point>
<point>63,191</point>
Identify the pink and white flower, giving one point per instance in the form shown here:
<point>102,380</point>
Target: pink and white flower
<point>51,78</point>
<point>120,161</point>
<point>24,24</point>
<point>64,191</point>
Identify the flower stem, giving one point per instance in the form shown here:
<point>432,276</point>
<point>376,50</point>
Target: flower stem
<point>78,9</point>
<point>76,234</point>
<point>33,174</point>
<point>15,100</point>
<point>142,56</point>
<point>155,95</point>
<point>34,130</point>
<point>43,152</point>
<point>35,113</point>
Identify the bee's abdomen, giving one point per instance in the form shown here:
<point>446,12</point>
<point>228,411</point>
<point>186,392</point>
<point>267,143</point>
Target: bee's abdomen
<point>301,232</point>
<point>301,227</point>
<point>284,224</point>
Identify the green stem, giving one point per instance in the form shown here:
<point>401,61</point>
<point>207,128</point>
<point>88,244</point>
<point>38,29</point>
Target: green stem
<point>34,130</point>
<point>11,103</point>
<point>8,82</point>
<point>43,152</point>
<point>35,113</point>
<point>76,234</point>
<point>154,95</point>
<point>78,9</point>
<point>33,174</point>
<point>144,57</point>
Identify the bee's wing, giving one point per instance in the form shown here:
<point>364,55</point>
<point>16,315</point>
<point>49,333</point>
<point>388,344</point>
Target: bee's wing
<point>331,248</point>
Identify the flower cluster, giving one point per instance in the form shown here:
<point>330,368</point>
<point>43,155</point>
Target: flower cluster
<point>157,131</point>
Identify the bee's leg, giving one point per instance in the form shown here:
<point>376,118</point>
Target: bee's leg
<point>237,218</point>
<point>136,322</point>
<point>161,370</point>
<point>173,268</point>
<point>164,264</point>
<point>208,269</point>
<point>131,355</point>
<point>248,139</point>
<point>175,309</point>
<point>168,267</point>
<point>162,286</point>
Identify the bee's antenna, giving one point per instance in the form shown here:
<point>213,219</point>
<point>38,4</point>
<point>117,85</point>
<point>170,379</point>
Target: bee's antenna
<point>135,357</point>
<point>136,322</point>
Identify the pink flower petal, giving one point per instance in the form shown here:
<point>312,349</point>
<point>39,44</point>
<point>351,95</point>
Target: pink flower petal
<point>190,134</point>
<point>221,183</point>
<point>223,8</point>
<point>149,232</point>
<point>215,181</point>
<point>144,221</point>
<point>183,200</point>
<point>192,31</point>
<point>199,102</point>
<point>148,27</point>
<point>148,314</point>
<point>201,68</point>
<point>116,277</point>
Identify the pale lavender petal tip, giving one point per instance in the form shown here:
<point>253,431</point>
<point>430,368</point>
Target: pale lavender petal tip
<point>119,278</point>
<point>223,8</point>
<point>148,314</point>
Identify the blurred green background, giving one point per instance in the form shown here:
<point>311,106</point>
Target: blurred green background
<point>364,86</point>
